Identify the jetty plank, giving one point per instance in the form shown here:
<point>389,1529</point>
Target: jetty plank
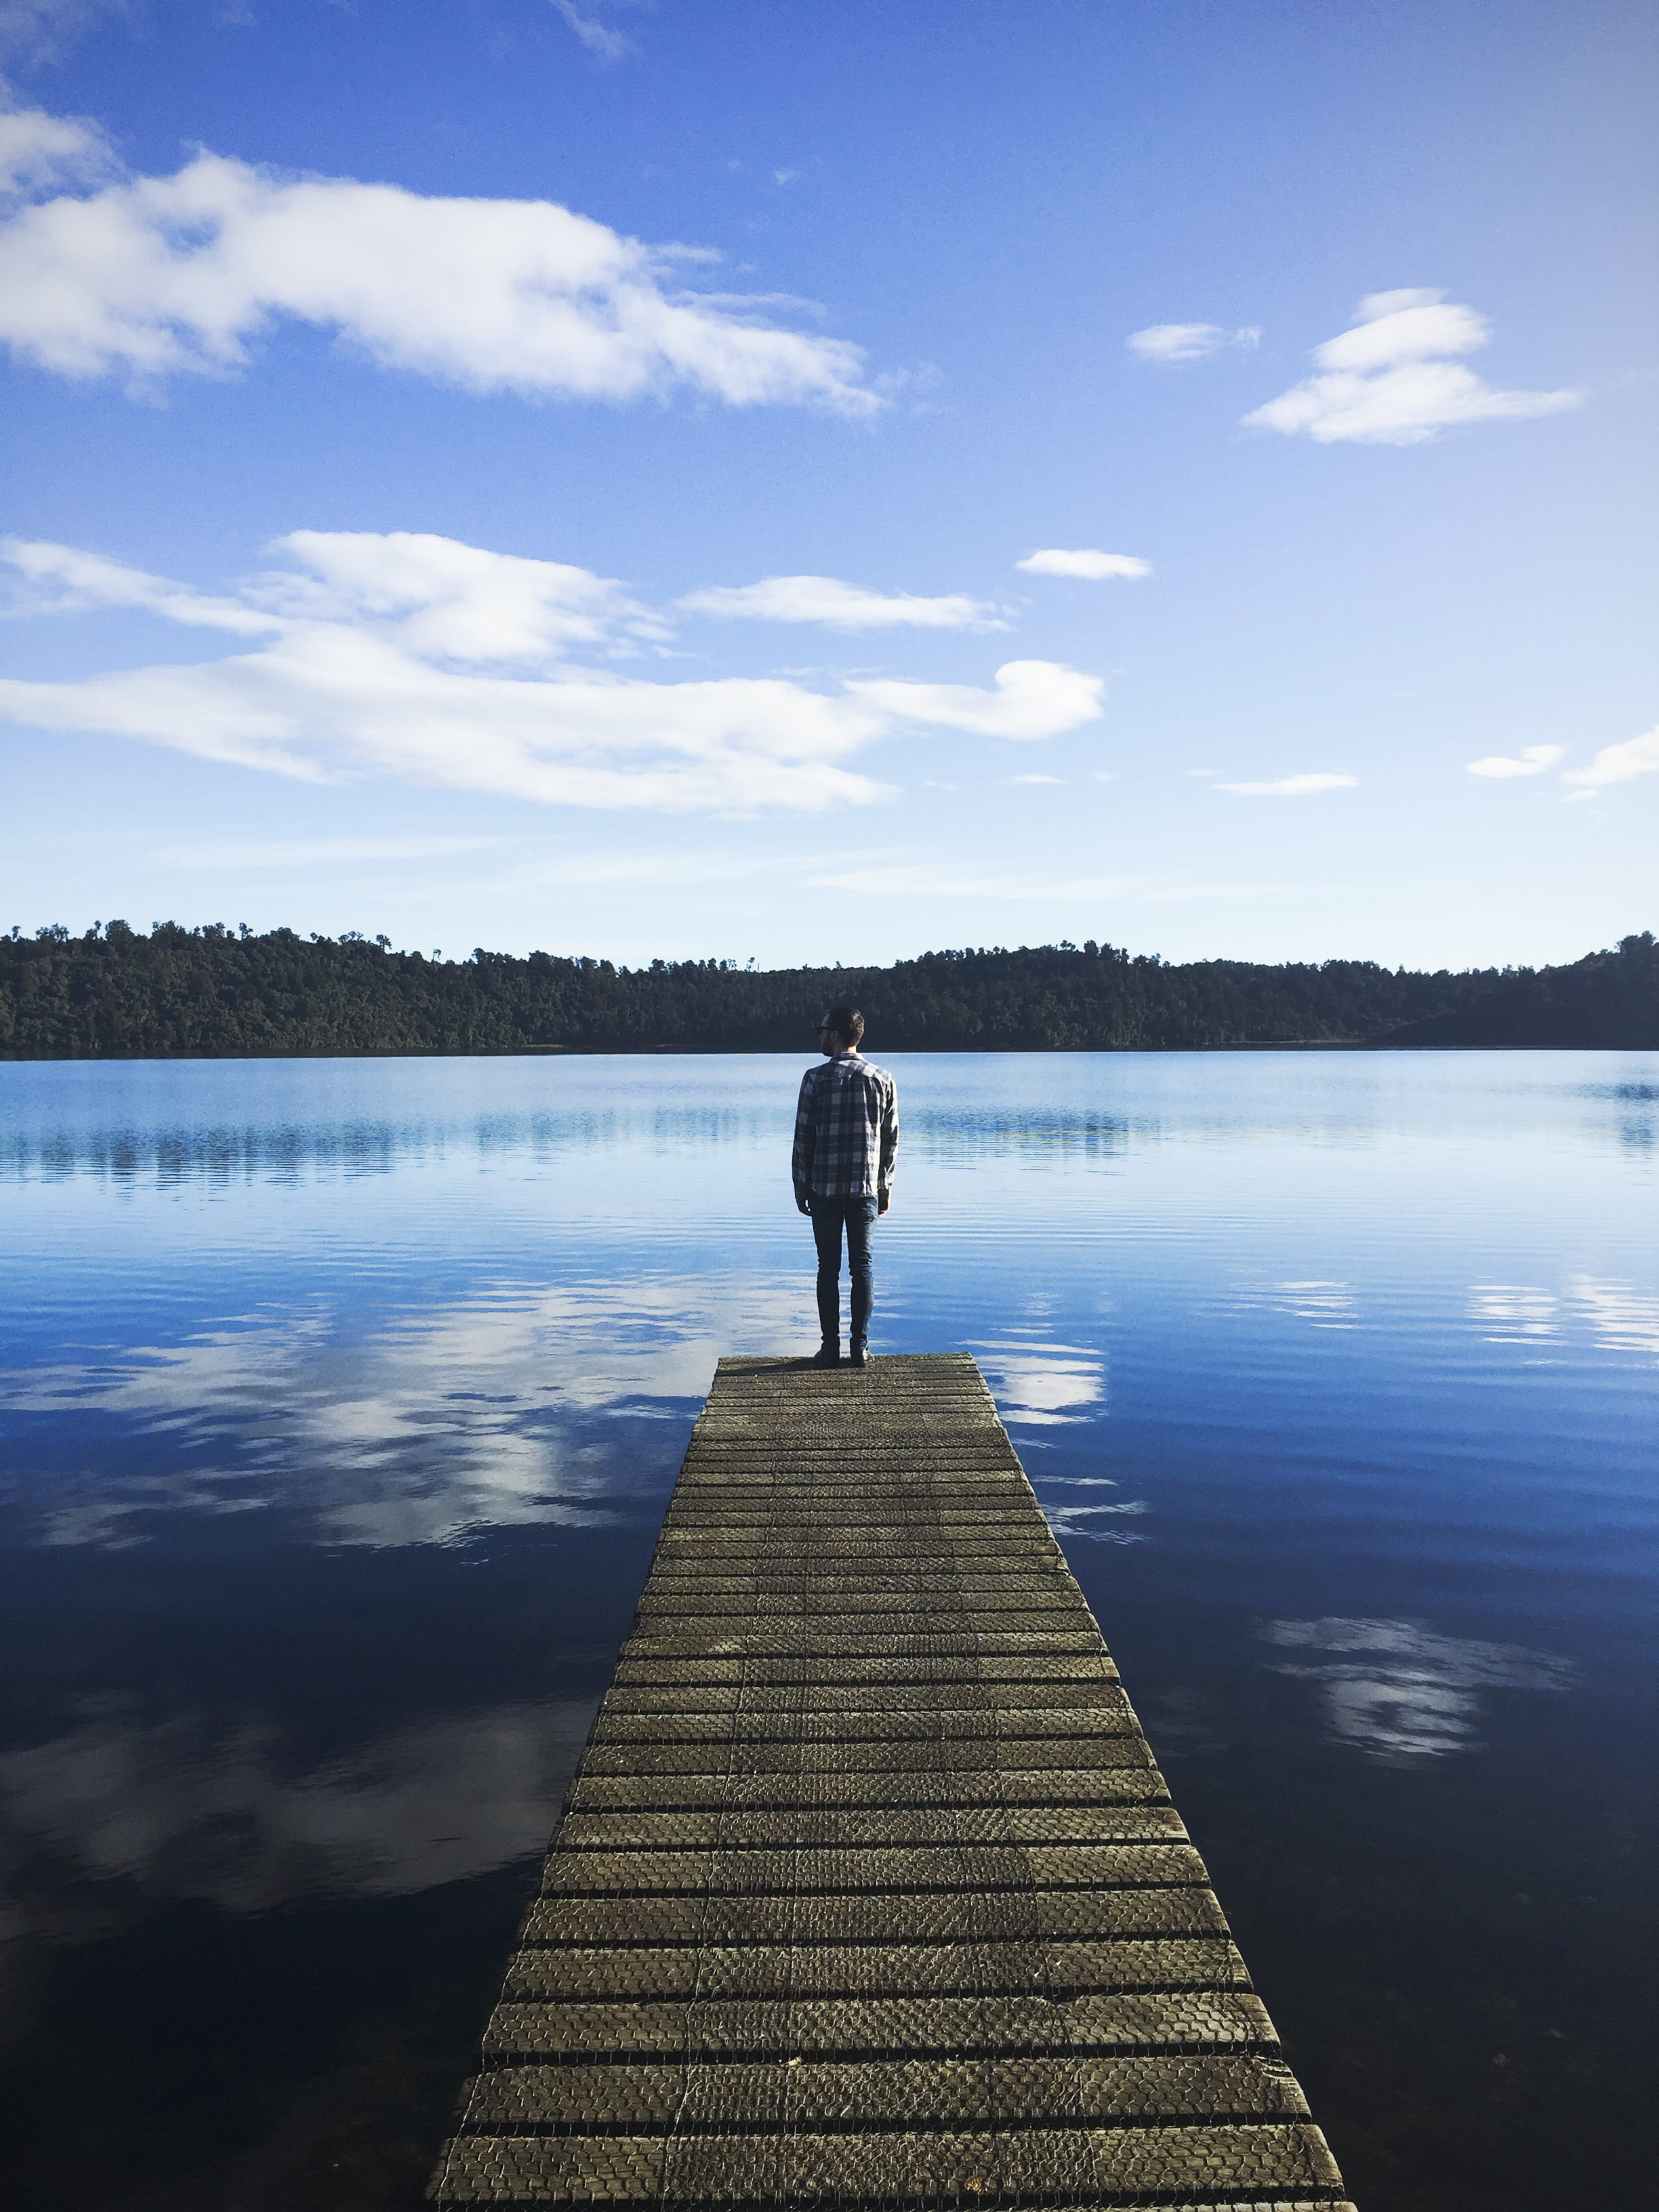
<point>868,1889</point>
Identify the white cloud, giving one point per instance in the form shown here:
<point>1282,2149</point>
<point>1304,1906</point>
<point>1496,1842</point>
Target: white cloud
<point>1393,379</point>
<point>599,37</point>
<point>1532,761</point>
<point>1167,342</point>
<point>1290,786</point>
<point>327,703</point>
<point>837,605</point>
<point>1033,698</point>
<point>1086,562</point>
<point>443,665</point>
<point>440,599</point>
<point>1617,764</point>
<point>153,276</point>
<point>39,151</point>
<point>446,600</point>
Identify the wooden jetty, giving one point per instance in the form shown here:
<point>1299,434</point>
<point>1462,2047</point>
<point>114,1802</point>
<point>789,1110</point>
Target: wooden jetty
<point>867,1890</point>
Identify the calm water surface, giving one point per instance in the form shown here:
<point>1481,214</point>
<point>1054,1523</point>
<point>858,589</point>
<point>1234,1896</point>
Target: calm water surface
<point>341,1401</point>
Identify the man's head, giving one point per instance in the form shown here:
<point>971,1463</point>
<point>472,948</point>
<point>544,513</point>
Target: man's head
<point>839,1031</point>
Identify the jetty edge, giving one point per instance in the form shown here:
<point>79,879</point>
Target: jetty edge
<point>867,1889</point>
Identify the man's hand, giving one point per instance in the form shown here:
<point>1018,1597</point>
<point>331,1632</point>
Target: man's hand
<point>884,1202</point>
<point>803,1201</point>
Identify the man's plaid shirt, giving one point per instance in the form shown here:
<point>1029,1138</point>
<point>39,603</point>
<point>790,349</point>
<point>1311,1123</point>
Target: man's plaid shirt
<point>846,1129</point>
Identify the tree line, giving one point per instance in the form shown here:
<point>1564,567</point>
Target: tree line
<point>214,992</point>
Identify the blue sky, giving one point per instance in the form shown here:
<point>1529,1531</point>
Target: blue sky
<point>824,482</point>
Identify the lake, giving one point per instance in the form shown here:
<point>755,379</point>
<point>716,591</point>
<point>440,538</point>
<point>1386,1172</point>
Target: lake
<point>341,1401</point>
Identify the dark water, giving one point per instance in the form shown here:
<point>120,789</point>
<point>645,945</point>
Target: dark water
<point>341,1401</point>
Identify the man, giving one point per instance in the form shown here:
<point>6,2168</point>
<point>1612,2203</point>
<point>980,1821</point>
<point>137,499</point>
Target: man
<point>845,1144</point>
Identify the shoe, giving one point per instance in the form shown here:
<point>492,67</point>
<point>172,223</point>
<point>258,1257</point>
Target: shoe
<point>857,1357</point>
<point>828,1355</point>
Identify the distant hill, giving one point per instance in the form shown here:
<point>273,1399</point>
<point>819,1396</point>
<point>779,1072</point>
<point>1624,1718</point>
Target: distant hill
<point>216,992</point>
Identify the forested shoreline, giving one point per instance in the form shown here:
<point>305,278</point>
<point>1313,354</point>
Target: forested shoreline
<point>214,992</point>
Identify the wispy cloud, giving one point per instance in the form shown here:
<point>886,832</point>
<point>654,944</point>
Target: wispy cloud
<point>236,855</point>
<point>437,597</point>
<point>438,664</point>
<point>1086,562</point>
<point>904,875</point>
<point>35,31</point>
<point>872,877</point>
<point>1394,380</point>
<point>1290,786</point>
<point>837,605</point>
<point>61,580</point>
<point>1533,760</point>
<point>155,277</point>
<point>1178,894</point>
<point>1173,341</point>
<point>599,37</point>
<point>1617,764</point>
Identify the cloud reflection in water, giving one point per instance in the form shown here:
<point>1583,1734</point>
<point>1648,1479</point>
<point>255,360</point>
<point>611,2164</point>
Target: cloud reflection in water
<point>487,1412</point>
<point>1621,1319</point>
<point>1618,1317</point>
<point>200,1807</point>
<point>1326,1305</point>
<point>1069,1521</point>
<point>1400,1691</point>
<point>1043,1383</point>
<point>1512,1313</point>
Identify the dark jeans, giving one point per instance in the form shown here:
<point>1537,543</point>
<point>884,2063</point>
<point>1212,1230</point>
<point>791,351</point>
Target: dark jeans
<point>858,1214</point>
